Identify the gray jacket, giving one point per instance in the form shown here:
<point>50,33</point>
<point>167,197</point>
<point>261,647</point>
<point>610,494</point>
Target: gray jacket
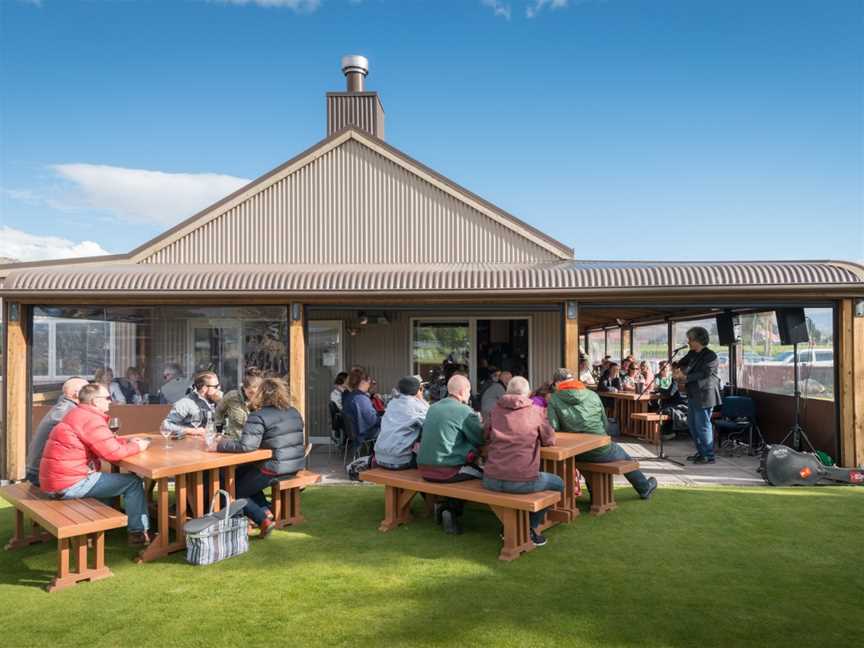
<point>703,381</point>
<point>189,411</point>
<point>400,429</point>
<point>490,398</point>
<point>37,444</point>
<point>173,390</point>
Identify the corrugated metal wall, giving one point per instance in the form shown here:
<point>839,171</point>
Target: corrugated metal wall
<point>361,110</point>
<point>351,206</point>
<point>384,350</point>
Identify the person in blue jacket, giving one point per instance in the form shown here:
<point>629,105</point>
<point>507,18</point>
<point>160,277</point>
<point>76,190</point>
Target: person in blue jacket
<point>357,405</point>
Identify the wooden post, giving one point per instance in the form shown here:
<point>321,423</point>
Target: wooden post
<point>17,398</point>
<point>297,368</point>
<point>571,336</point>
<point>850,391</point>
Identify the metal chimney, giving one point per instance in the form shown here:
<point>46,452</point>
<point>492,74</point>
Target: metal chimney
<point>355,68</point>
<point>356,107</point>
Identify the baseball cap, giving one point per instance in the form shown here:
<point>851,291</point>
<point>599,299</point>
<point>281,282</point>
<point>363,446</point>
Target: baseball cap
<point>561,375</point>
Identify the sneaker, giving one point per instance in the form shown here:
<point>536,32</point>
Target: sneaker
<point>139,539</point>
<point>450,523</point>
<point>536,539</point>
<point>266,527</point>
<point>705,460</point>
<point>652,486</point>
<point>268,513</point>
<point>694,458</point>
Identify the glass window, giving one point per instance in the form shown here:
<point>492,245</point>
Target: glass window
<point>613,344</point>
<point>768,366</point>
<point>650,343</point>
<point>679,338</point>
<point>41,356</point>
<point>436,344</point>
<point>596,346</point>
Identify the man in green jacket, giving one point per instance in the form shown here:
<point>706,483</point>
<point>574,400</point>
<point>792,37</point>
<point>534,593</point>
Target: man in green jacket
<point>452,433</point>
<point>574,408</point>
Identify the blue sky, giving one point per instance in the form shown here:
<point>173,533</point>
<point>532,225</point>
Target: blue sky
<point>652,129</point>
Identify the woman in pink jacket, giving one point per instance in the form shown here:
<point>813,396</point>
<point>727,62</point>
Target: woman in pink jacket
<point>72,457</point>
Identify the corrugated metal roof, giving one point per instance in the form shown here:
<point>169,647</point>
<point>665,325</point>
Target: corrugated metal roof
<point>551,276</point>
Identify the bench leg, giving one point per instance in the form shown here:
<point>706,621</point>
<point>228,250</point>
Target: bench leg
<point>20,540</point>
<point>65,576</point>
<point>397,507</point>
<point>286,507</point>
<point>602,494</point>
<point>517,537</point>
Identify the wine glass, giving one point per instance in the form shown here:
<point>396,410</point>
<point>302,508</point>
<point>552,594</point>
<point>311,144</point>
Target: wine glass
<point>165,431</point>
<point>114,424</point>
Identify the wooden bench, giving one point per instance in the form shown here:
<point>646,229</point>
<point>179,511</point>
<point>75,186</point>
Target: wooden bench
<point>599,479</point>
<point>286,497</point>
<point>71,522</point>
<point>402,485</point>
<point>647,425</point>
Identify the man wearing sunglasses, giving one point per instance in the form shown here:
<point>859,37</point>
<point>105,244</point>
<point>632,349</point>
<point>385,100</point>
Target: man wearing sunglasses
<point>190,414</point>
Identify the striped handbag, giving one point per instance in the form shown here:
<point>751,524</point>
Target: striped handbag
<point>217,535</point>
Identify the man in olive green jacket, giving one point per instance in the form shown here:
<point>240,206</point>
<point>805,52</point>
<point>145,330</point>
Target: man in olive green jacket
<point>574,408</point>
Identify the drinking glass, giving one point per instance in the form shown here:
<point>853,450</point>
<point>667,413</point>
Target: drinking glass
<point>114,424</point>
<point>165,431</point>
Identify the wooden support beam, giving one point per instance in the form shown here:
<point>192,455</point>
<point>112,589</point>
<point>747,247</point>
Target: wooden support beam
<point>571,336</point>
<point>297,367</point>
<point>850,391</point>
<point>16,398</point>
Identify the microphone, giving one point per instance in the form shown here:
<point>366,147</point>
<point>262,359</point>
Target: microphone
<point>681,348</point>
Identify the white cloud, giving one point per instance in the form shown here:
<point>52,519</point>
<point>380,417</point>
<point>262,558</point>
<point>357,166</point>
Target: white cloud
<point>19,245</point>
<point>300,6</point>
<point>498,8</point>
<point>139,195</point>
<point>536,6</point>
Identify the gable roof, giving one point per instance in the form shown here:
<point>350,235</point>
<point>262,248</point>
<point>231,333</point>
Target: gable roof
<point>345,183</point>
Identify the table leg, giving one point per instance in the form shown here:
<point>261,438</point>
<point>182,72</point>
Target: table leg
<point>231,479</point>
<point>566,509</point>
<point>182,506</point>
<point>161,544</point>
<point>198,494</point>
<point>214,488</point>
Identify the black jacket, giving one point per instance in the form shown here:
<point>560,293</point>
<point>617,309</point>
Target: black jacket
<point>278,430</point>
<point>606,382</point>
<point>703,381</point>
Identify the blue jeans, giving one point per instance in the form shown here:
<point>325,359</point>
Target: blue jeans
<point>637,478</point>
<point>33,477</point>
<point>251,483</point>
<point>699,424</point>
<point>544,481</point>
<point>107,485</point>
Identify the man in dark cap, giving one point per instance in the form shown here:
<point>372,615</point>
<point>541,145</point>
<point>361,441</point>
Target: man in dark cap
<point>401,426</point>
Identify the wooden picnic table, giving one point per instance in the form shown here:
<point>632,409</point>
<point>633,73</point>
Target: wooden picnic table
<point>189,463</point>
<point>626,404</point>
<point>560,460</point>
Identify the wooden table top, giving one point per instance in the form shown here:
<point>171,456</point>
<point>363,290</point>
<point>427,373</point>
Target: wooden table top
<point>185,455</point>
<point>570,444</point>
<point>632,396</point>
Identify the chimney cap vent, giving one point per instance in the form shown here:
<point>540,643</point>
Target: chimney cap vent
<point>355,63</point>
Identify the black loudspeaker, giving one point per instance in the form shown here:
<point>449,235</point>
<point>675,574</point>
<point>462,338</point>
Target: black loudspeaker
<point>726,329</point>
<point>792,326</point>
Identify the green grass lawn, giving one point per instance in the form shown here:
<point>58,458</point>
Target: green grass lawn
<point>692,567</point>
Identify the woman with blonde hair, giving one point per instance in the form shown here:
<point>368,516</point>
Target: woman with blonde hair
<point>105,377</point>
<point>273,423</point>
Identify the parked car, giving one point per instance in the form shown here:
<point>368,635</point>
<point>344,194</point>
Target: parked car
<point>810,357</point>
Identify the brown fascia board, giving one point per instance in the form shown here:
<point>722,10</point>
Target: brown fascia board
<point>5,268</point>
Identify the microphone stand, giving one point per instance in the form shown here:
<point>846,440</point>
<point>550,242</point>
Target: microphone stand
<point>661,454</point>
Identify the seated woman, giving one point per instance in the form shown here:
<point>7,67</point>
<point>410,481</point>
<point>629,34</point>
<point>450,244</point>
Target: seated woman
<point>585,374</point>
<point>645,372</point>
<point>233,410</point>
<point>628,382</point>
<point>664,377</point>
<point>541,395</point>
<point>273,424</point>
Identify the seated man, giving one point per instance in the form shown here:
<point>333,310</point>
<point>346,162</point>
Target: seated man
<point>448,447</point>
<point>190,414</point>
<point>573,408</point>
<point>66,403</point>
<point>72,458</point>
<point>515,430</point>
<point>401,426</point>
<point>175,386</point>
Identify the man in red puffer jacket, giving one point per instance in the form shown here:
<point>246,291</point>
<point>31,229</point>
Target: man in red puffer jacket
<point>71,460</point>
